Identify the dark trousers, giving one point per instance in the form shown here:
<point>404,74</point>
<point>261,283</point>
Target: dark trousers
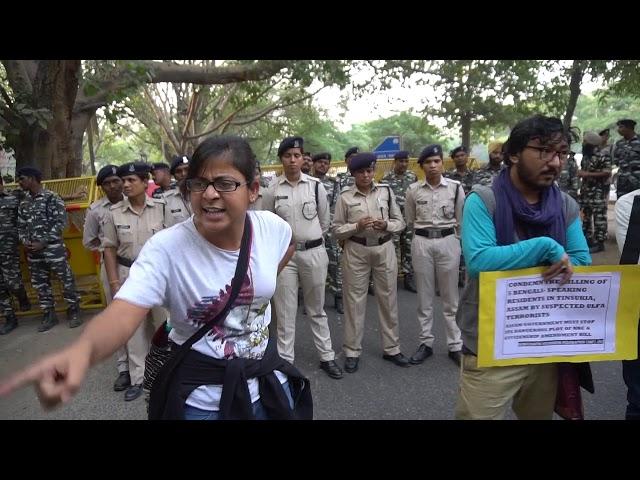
<point>631,375</point>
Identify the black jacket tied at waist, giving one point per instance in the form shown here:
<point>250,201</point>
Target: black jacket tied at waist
<point>198,369</point>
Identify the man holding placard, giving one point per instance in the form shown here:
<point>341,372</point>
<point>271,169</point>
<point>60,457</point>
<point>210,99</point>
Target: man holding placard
<point>522,221</point>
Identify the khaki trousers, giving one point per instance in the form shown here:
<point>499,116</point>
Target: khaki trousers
<point>358,264</point>
<point>437,259</point>
<point>122,356</point>
<point>307,268</point>
<point>485,392</point>
<point>138,345</point>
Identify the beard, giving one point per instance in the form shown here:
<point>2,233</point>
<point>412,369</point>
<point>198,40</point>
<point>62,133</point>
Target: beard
<point>532,179</point>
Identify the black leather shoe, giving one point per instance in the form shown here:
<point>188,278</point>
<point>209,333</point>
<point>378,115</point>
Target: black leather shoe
<point>122,382</point>
<point>597,247</point>
<point>10,324</point>
<point>351,364</point>
<point>332,369</point>
<point>399,359</point>
<point>48,321</point>
<point>73,315</point>
<point>421,354</point>
<point>133,392</point>
<point>339,306</point>
<point>371,291</point>
<point>409,283</point>
<point>456,357</point>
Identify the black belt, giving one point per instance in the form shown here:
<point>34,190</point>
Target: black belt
<point>306,245</point>
<point>435,233</point>
<point>125,262</point>
<point>371,242</point>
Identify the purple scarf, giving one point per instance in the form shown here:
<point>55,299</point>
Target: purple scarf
<point>514,214</point>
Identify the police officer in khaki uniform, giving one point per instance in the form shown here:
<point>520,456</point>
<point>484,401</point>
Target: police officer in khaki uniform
<point>129,224</point>
<point>177,200</point>
<point>179,168</point>
<point>434,207</point>
<point>366,217</point>
<point>301,200</point>
<point>111,185</point>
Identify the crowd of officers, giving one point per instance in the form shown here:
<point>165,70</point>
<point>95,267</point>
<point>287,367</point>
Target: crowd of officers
<point>350,233</point>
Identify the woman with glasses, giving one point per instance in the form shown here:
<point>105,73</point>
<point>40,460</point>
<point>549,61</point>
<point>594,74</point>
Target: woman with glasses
<point>189,269</point>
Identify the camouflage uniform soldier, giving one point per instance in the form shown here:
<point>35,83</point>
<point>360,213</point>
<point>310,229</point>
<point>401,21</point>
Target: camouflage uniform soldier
<point>485,175</point>
<point>346,179</point>
<point>595,171</point>
<point>41,220</point>
<point>399,180</point>
<point>627,158</point>
<point>10,276</point>
<point>461,172</point>
<point>568,180</point>
<point>465,176</point>
<point>321,163</point>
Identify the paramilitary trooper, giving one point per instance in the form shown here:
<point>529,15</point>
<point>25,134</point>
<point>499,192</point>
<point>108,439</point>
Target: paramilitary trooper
<point>627,157</point>
<point>485,175</point>
<point>10,275</point>
<point>161,174</point>
<point>301,200</point>
<point>434,207</point>
<point>177,199</point>
<point>399,180</point>
<point>42,218</point>
<point>93,234</point>
<point>321,162</point>
<point>366,217</point>
<point>129,224</point>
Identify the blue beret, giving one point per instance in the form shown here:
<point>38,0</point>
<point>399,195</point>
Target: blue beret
<point>362,160</point>
<point>290,142</point>
<point>351,151</point>
<point>133,168</point>
<point>177,161</point>
<point>322,156</point>
<point>29,172</point>
<point>105,172</point>
<point>458,149</point>
<point>158,165</point>
<point>430,151</point>
<point>401,155</point>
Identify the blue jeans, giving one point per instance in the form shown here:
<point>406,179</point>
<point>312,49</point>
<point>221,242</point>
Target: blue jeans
<point>193,413</point>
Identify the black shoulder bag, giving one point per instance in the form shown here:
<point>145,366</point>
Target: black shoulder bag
<point>162,382</point>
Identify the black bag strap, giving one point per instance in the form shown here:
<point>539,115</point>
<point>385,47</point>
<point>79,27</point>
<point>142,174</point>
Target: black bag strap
<point>631,250</point>
<point>162,382</point>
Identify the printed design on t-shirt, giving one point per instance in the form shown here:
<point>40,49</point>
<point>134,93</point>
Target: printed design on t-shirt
<point>244,330</point>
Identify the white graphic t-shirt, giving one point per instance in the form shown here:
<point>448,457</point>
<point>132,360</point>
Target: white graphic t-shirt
<point>180,270</point>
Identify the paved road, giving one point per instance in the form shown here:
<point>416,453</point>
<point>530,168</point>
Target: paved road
<point>378,390</point>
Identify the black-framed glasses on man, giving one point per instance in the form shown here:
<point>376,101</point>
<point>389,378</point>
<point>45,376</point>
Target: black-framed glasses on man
<point>547,153</point>
<point>221,184</point>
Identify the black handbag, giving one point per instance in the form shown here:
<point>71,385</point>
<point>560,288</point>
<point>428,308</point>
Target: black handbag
<point>165,360</point>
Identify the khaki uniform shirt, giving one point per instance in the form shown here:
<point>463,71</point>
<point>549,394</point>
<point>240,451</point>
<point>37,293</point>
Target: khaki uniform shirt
<point>297,205</point>
<point>127,231</point>
<point>178,206</point>
<point>435,207</point>
<point>353,205</point>
<point>94,223</point>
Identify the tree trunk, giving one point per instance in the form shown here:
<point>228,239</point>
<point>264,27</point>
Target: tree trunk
<point>465,129</point>
<point>577,72</point>
<point>92,154</point>
<point>79,124</point>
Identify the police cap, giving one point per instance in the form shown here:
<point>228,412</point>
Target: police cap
<point>105,172</point>
<point>362,160</point>
<point>430,151</point>
<point>290,142</point>
<point>133,168</point>
<point>29,172</point>
<point>177,161</point>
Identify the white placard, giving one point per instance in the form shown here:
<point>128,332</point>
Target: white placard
<point>539,319</point>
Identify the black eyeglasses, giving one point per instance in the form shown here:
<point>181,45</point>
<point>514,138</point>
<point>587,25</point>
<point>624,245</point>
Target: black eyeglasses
<point>547,153</point>
<point>221,184</point>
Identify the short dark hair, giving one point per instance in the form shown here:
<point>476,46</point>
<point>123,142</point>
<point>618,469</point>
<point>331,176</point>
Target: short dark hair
<point>626,122</point>
<point>606,131</point>
<point>241,155</point>
<point>545,129</point>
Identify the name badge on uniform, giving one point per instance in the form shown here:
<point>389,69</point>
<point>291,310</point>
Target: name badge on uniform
<point>422,202</point>
<point>176,210</point>
<point>123,227</point>
<point>282,197</point>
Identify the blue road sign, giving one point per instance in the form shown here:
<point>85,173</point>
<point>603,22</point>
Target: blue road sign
<point>388,147</point>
